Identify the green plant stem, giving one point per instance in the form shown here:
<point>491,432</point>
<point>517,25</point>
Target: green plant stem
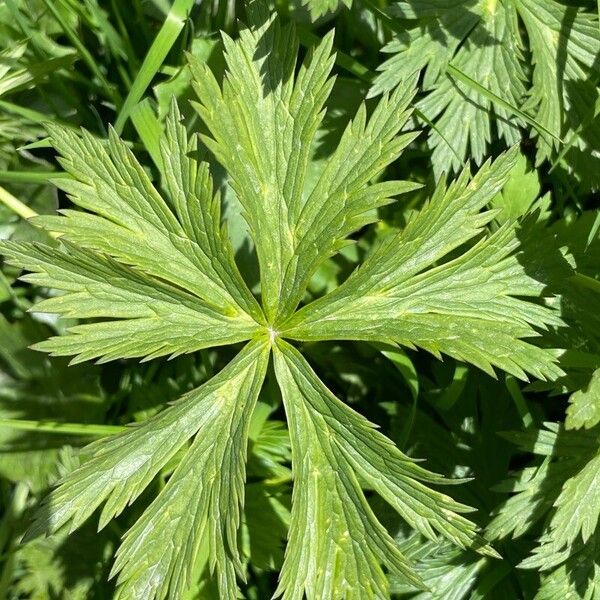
<point>521,404</point>
<point>30,176</point>
<point>62,428</point>
<point>16,205</point>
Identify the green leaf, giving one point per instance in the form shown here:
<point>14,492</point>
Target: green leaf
<point>472,307</point>
<point>560,494</point>
<point>440,27</point>
<point>148,318</point>
<point>577,578</point>
<point>577,513</point>
<point>520,192</point>
<point>477,74</point>
<point>166,37</point>
<point>444,568</point>
<point>584,405</point>
<point>134,224</point>
<point>334,449</point>
<point>490,58</point>
<point>563,58</point>
<point>318,8</point>
<point>200,498</point>
<point>535,490</point>
<point>263,124</point>
<point>150,271</point>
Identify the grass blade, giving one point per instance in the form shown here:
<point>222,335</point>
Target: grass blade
<point>159,49</point>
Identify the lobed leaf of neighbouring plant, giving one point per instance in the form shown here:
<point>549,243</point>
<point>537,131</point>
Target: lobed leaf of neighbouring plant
<point>584,405</point>
<point>565,64</point>
<point>560,494</point>
<point>482,39</point>
<point>318,8</point>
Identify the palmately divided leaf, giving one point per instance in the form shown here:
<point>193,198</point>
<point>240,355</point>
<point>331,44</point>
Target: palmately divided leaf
<point>154,269</point>
<point>336,544</point>
<point>202,497</point>
<point>149,318</point>
<point>565,59</point>
<point>561,494</point>
<point>463,116</point>
<point>135,225</point>
<point>577,513</point>
<point>471,308</point>
<point>263,124</point>
<point>482,39</point>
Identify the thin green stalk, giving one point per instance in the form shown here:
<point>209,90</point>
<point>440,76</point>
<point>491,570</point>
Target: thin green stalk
<point>154,59</point>
<point>30,176</point>
<point>16,205</point>
<point>474,85</point>
<point>62,428</point>
<point>520,402</point>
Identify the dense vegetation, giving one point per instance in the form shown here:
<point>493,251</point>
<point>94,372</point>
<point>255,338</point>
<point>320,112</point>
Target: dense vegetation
<point>299,299</point>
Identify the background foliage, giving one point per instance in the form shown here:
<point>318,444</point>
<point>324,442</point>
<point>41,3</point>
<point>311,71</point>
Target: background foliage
<point>489,74</point>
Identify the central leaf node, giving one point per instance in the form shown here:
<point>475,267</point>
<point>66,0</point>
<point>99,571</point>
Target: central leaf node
<point>273,333</point>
